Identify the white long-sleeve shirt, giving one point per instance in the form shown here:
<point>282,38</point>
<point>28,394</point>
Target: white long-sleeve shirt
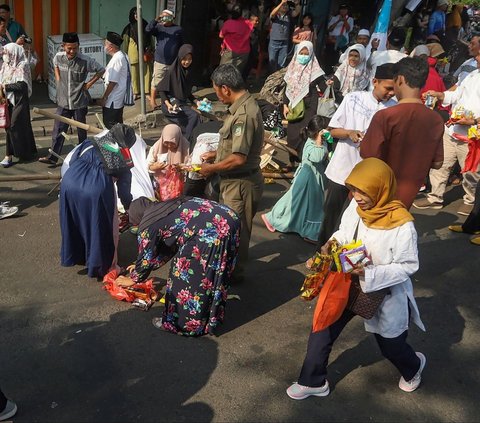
<point>467,94</point>
<point>394,255</point>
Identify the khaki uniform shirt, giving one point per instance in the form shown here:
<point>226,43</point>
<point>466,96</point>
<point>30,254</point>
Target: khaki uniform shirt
<point>242,133</point>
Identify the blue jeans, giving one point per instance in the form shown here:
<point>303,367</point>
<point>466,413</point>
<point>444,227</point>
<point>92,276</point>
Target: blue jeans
<point>277,54</point>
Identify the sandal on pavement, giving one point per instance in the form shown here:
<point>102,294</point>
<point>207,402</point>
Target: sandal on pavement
<point>6,162</point>
<point>267,223</point>
<point>459,229</point>
<point>475,240</point>
<point>157,322</point>
<point>47,160</point>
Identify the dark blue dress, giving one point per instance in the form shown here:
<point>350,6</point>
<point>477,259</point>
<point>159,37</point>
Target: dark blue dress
<point>87,210</point>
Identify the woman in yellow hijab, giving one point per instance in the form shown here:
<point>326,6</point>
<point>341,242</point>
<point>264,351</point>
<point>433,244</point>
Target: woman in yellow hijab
<point>373,186</point>
<point>386,228</point>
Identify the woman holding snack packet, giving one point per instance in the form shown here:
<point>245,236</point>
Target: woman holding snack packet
<point>175,90</point>
<point>387,231</point>
<point>164,158</point>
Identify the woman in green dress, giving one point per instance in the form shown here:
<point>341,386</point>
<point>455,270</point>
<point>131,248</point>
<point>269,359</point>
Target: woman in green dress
<point>300,209</point>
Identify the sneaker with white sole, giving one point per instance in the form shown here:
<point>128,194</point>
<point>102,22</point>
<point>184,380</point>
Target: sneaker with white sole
<point>9,411</point>
<point>413,383</point>
<point>423,203</point>
<point>300,392</point>
<point>465,209</point>
<point>6,211</point>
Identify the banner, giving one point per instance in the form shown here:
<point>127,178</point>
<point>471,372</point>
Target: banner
<point>383,22</point>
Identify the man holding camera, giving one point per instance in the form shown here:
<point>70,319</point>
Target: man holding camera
<point>169,39</point>
<point>71,71</point>
<point>281,18</point>
<point>15,32</point>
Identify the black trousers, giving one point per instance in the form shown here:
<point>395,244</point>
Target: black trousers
<point>112,116</point>
<point>335,199</point>
<point>58,139</point>
<point>194,187</point>
<point>187,119</point>
<point>3,401</point>
<point>472,224</point>
<point>314,369</point>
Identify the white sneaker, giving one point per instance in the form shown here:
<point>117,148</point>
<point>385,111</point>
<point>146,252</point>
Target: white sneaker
<point>299,392</point>
<point>414,383</point>
<point>9,411</point>
<point>6,211</point>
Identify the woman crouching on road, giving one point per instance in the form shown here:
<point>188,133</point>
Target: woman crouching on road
<point>387,231</point>
<point>201,237</point>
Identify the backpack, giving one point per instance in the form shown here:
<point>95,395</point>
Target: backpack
<point>274,88</point>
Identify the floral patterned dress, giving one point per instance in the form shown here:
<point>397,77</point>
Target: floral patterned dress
<point>202,237</point>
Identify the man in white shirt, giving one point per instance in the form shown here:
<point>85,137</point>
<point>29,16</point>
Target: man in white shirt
<point>348,124</point>
<point>470,64</point>
<point>395,41</point>
<point>115,77</point>
<point>467,95</point>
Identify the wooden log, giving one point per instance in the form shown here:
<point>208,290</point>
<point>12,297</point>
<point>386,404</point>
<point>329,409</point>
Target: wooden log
<point>68,121</point>
<point>280,146</point>
<point>276,175</point>
<point>31,177</point>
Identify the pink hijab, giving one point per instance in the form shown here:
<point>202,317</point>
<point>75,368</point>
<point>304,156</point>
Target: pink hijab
<point>172,133</point>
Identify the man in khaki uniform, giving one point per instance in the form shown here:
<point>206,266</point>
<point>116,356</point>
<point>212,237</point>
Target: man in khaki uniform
<point>237,160</point>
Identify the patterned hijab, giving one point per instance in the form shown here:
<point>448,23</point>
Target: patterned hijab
<point>299,77</point>
<point>353,78</point>
<point>376,179</point>
<point>15,68</point>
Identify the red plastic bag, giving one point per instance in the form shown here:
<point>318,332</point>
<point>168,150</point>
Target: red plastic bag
<point>170,186</point>
<point>144,291</point>
<point>332,300</point>
<point>4,115</point>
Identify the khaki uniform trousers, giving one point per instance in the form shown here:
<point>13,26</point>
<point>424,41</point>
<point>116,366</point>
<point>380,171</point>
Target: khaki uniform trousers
<point>243,196</point>
<point>453,150</point>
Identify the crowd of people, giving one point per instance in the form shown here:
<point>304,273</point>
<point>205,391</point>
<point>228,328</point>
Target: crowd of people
<point>367,128</point>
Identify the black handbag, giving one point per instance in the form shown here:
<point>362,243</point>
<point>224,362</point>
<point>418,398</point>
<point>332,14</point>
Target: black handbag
<point>363,304</point>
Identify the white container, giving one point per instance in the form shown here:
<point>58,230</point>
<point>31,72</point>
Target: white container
<point>91,45</point>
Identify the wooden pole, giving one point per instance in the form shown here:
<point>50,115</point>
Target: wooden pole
<point>275,175</point>
<point>71,122</point>
<point>32,177</point>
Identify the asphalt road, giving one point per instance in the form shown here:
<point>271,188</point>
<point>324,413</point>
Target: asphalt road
<point>70,353</point>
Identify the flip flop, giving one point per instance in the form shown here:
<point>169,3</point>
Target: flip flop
<point>46,160</point>
<point>157,322</point>
<point>267,223</point>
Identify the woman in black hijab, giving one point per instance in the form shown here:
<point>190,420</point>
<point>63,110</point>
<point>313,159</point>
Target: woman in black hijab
<point>130,47</point>
<point>175,90</point>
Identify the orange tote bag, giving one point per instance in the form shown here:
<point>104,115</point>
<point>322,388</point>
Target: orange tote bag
<point>332,300</point>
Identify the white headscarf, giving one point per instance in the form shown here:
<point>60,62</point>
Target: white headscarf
<point>15,68</point>
<point>299,77</point>
<point>353,78</point>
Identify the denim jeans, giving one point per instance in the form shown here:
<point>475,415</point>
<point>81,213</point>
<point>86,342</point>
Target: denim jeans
<point>277,54</point>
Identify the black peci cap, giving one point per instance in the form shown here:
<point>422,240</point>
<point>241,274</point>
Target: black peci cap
<point>114,38</point>
<point>70,37</point>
